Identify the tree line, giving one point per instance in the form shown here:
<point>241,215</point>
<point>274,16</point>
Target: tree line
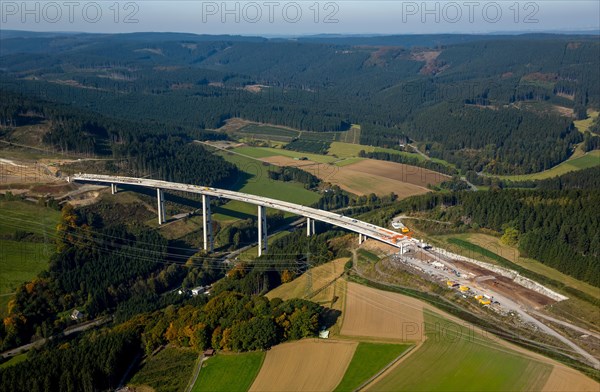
<point>560,228</point>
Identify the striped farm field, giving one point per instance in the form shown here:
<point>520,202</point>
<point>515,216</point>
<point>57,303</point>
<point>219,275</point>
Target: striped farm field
<point>367,176</point>
<point>451,355</point>
<point>377,314</point>
<point>454,357</point>
<point>305,365</point>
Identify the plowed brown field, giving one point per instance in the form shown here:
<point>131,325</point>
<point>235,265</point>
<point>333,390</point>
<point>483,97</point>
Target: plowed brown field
<point>399,172</point>
<point>564,379</point>
<point>305,365</point>
<point>368,176</point>
<point>380,314</point>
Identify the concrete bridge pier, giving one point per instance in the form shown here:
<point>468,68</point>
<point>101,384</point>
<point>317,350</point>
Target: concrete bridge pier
<point>162,216</point>
<point>262,230</point>
<point>361,238</point>
<point>113,188</point>
<point>310,227</point>
<point>209,244</point>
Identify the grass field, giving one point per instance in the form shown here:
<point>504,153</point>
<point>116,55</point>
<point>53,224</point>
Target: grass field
<point>368,359</point>
<point>229,372</point>
<point>590,159</point>
<point>355,175</point>
<point>267,131</point>
<point>369,256</point>
<point>352,135</point>
<point>168,371</point>
<point>452,358</point>
<point>284,134</point>
<point>309,145</point>
<point>255,180</point>
<point>27,216</point>
<point>22,261</point>
<point>256,152</point>
<point>347,150</point>
<point>14,360</point>
<point>347,161</point>
<point>584,125</point>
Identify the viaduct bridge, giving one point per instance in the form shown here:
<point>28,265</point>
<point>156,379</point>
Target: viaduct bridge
<point>364,229</point>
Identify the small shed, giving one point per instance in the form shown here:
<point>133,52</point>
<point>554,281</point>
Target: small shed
<point>209,352</point>
<point>76,315</point>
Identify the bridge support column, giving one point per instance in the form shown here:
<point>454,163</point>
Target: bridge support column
<point>262,230</point>
<point>310,230</point>
<point>160,196</point>
<point>113,188</point>
<point>207,224</point>
<point>361,238</point>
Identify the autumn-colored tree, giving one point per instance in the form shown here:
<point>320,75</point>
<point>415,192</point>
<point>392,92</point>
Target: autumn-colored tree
<point>217,335</point>
<point>287,276</point>
<point>226,339</point>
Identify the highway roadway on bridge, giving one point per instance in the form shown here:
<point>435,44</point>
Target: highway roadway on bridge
<point>367,229</point>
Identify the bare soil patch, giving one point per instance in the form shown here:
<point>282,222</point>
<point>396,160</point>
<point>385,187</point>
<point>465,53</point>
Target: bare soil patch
<point>399,172</point>
<point>564,379</point>
<point>431,66</point>
<point>305,365</point>
<point>506,286</point>
<point>363,181</point>
<point>379,248</point>
<point>255,88</point>
<point>380,314</point>
<point>563,111</point>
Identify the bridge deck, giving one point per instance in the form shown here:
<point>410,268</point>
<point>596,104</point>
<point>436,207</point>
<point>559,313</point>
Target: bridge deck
<point>376,232</point>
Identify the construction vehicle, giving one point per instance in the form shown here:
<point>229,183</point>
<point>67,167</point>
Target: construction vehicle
<point>450,283</point>
<point>478,296</point>
<point>400,225</point>
<point>485,301</point>
<point>463,288</point>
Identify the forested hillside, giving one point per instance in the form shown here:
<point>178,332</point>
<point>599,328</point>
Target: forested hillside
<point>560,228</point>
<point>499,97</point>
<point>139,148</point>
<point>229,321</point>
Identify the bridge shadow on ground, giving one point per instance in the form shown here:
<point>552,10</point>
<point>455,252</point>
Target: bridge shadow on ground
<point>232,213</point>
<point>238,181</point>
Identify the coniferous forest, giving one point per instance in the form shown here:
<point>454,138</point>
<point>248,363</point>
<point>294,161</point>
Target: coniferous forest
<point>473,107</point>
